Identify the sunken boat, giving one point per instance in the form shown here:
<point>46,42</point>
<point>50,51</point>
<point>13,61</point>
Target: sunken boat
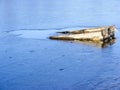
<point>97,34</point>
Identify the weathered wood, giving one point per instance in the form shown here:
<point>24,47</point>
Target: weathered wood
<point>92,34</point>
<point>89,30</point>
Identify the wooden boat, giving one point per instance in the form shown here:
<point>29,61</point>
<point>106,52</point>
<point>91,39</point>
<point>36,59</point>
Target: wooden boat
<point>90,34</point>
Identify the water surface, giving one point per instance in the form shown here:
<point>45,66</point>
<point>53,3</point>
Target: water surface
<point>30,61</point>
<point>45,14</point>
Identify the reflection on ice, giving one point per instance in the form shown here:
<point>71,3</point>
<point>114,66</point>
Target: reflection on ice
<point>96,44</point>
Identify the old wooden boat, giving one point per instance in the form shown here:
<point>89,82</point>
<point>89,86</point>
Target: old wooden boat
<point>90,34</point>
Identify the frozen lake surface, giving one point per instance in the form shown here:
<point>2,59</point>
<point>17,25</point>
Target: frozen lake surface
<point>30,61</point>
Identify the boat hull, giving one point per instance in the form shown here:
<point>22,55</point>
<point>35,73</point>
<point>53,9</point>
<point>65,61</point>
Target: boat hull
<point>92,34</point>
